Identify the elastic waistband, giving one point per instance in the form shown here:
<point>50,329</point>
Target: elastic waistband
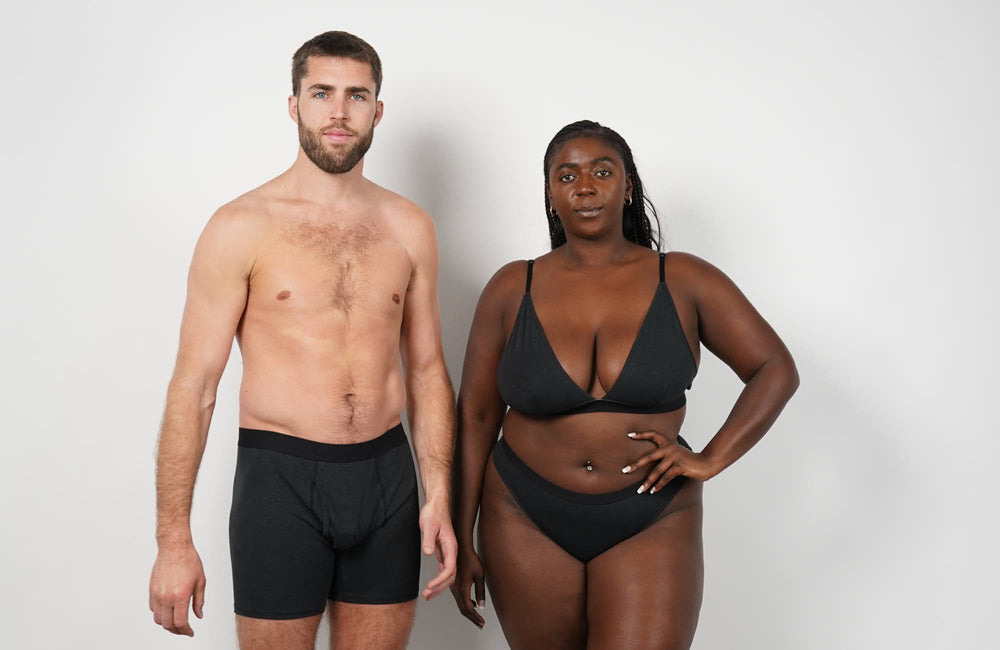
<point>504,455</point>
<point>322,451</point>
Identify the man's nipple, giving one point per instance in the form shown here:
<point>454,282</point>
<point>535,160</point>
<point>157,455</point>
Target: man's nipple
<point>395,298</point>
<point>284,295</point>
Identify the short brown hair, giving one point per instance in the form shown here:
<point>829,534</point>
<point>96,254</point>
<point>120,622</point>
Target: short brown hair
<point>336,44</point>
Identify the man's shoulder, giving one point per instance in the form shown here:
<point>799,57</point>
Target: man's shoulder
<point>253,209</point>
<point>399,208</point>
<point>243,216</point>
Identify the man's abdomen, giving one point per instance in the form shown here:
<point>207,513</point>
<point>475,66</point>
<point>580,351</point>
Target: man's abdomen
<point>340,388</point>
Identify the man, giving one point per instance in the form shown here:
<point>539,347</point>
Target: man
<point>326,280</point>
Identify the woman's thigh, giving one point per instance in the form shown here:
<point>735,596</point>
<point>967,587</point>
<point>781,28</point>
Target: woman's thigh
<point>645,592</point>
<point>538,589</point>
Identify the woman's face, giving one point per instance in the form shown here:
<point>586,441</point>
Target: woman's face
<point>587,187</point>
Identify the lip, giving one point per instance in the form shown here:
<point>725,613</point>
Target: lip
<point>589,210</point>
<point>338,135</point>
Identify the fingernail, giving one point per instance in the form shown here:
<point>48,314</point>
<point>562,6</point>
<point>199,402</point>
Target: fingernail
<point>631,435</point>
<point>653,489</point>
<point>626,469</point>
<point>642,488</point>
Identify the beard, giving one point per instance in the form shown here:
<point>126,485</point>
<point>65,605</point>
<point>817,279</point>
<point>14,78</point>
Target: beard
<point>334,162</point>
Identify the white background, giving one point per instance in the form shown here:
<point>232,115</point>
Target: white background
<point>839,160</point>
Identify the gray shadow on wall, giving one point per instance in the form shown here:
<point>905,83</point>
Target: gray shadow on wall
<point>435,169</point>
<point>435,166</point>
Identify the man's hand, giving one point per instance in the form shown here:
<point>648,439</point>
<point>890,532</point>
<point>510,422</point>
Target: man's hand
<point>438,539</point>
<point>177,577</point>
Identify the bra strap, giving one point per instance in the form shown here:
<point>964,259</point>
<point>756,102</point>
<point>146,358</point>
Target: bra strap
<point>527,285</point>
<point>662,256</point>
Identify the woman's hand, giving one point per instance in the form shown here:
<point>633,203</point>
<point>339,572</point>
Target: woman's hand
<point>469,571</point>
<point>672,460</point>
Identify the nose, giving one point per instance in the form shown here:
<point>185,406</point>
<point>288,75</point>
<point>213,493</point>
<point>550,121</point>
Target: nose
<point>584,187</point>
<point>338,109</point>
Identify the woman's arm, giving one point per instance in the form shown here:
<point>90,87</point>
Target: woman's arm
<point>730,328</point>
<point>480,414</point>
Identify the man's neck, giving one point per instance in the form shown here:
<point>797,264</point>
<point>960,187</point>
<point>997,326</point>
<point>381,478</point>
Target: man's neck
<point>314,184</point>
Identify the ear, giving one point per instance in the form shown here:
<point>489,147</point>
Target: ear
<point>293,108</point>
<point>379,109</point>
<point>628,186</point>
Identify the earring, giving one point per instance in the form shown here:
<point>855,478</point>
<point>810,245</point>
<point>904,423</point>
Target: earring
<point>628,200</point>
<point>552,213</point>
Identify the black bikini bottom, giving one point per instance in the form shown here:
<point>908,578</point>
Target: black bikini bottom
<point>584,525</point>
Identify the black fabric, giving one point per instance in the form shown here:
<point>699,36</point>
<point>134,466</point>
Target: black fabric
<point>659,367</point>
<point>323,451</point>
<point>312,521</point>
<point>584,525</point>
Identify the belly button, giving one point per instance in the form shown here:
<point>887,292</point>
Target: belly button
<point>587,465</point>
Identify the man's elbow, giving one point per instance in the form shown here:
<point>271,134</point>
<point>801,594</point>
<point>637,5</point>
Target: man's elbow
<point>429,374</point>
<point>195,389</point>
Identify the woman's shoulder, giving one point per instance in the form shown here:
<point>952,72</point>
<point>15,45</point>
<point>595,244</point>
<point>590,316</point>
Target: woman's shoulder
<point>686,263</point>
<point>506,283</point>
<point>688,273</point>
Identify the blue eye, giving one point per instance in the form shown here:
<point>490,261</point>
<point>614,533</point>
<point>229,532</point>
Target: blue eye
<point>357,96</point>
<point>320,95</point>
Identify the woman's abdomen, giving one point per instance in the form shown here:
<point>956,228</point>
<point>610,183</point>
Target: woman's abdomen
<point>559,448</point>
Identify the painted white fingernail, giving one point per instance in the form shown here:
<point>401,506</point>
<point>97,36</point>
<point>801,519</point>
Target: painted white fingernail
<point>642,488</point>
<point>652,489</point>
<point>626,469</point>
<point>631,435</point>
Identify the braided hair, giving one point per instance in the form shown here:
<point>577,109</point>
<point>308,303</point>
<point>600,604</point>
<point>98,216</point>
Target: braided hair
<point>636,224</point>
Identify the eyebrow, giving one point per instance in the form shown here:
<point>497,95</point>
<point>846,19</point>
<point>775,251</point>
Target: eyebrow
<point>570,165</point>
<point>350,89</point>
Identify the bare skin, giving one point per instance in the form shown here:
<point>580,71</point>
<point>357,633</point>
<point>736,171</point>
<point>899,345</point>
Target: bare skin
<point>352,627</point>
<point>326,281</point>
<point>591,295</point>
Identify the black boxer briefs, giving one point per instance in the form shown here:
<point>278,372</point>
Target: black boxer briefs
<point>313,521</point>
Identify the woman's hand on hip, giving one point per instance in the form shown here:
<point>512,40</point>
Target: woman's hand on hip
<point>669,460</point>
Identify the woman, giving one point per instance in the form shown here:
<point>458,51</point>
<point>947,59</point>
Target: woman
<point>590,504</point>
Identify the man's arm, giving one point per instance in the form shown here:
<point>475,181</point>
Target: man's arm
<point>430,402</point>
<point>216,297</point>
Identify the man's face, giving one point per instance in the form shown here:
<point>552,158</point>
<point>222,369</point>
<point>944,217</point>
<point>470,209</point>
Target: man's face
<point>336,111</point>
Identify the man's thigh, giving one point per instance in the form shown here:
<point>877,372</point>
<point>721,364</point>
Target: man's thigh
<point>269,634</point>
<point>355,626</point>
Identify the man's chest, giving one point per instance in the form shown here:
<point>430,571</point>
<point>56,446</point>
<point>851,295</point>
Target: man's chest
<point>319,267</point>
